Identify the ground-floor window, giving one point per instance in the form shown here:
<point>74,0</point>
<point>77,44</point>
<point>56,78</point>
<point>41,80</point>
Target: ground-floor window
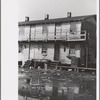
<point>44,50</point>
<point>72,49</point>
<point>19,63</point>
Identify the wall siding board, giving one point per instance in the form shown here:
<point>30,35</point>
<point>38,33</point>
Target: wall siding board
<point>91,43</point>
<point>36,51</point>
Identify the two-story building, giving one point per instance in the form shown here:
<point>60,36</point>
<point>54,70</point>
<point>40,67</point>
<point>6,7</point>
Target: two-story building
<point>58,40</point>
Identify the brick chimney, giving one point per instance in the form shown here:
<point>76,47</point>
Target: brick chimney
<point>69,14</point>
<point>26,18</point>
<point>46,16</point>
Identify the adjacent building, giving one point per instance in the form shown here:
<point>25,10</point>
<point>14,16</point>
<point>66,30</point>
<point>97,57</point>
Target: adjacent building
<point>58,40</point>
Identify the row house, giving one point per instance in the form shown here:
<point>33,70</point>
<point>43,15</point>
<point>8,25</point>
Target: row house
<point>58,40</point>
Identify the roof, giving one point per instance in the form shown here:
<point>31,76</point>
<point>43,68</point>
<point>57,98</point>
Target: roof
<point>56,20</point>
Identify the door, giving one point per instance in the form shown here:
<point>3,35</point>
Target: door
<point>83,56</point>
<point>56,52</point>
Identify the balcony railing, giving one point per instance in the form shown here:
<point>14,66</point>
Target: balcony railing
<point>23,38</point>
<point>81,36</point>
<point>68,36</point>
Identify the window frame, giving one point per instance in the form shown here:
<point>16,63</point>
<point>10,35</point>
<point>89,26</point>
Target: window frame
<point>44,50</point>
<point>72,49</point>
<point>45,29</point>
<point>73,28</point>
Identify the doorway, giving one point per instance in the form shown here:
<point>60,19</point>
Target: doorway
<point>56,52</point>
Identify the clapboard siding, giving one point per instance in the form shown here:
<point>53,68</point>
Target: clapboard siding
<point>51,33</point>
<point>90,27</point>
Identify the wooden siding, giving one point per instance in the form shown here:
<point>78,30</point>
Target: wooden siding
<point>24,54</point>
<point>24,32</point>
<point>36,52</point>
<point>53,32</point>
<point>39,32</point>
<point>90,26</point>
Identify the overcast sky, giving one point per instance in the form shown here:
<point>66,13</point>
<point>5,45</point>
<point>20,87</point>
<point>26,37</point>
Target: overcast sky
<point>36,9</point>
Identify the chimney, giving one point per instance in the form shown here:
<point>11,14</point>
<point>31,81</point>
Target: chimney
<point>26,18</point>
<point>69,14</point>
<point>46,16</point>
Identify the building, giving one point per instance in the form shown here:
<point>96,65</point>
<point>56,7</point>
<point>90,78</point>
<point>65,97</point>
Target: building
<point>58,40</point>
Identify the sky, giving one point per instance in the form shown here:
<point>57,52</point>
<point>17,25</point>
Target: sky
<point>36,9</point>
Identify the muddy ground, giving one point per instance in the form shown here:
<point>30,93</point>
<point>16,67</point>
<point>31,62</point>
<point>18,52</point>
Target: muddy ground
<point>58,85</point>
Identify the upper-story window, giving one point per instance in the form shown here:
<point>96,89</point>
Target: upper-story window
<point>51,29</point>
<point>58,28</point>
<point>33,31</point>
<point>38,30</point>
<point>21,30</point>
<point>45,29</point>
<point>73,28</point>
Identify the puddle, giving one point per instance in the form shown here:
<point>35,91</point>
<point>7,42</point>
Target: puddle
<point>71,91</point>
<point>63,88</point>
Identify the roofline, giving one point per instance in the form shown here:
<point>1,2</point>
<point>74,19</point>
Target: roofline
<point>56,20</point>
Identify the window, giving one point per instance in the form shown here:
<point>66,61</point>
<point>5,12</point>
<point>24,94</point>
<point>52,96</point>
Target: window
<point>58,28</point>
<point>73,28</point>
<point>33,30</point>
<point>72,49</point>
<point>45,29</point>
<point>44,50</point>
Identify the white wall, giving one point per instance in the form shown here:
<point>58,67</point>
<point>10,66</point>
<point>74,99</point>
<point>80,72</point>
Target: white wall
<point>65,28</point>
<point>26,32</point>
<point>63,55</point>
<point>51,30</point>
<point>37,30</point>
<point>36,49</point>
<point>50,52</point>
<point>23,56</point>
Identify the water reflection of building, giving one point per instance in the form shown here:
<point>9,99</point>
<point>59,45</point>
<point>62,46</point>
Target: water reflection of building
<point>58,40</point>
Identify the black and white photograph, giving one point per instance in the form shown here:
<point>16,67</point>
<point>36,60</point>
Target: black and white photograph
<point>56,50</point>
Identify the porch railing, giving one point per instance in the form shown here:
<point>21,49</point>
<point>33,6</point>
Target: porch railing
<point>67,36</point>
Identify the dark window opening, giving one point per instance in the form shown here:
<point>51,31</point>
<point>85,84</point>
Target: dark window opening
<point>72,49</point>
<point>73,28</point>
<point>64,48</point>
<point>44,50</point>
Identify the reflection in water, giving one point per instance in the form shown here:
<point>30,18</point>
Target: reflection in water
<point>70,91</point>
<point>69,87</point>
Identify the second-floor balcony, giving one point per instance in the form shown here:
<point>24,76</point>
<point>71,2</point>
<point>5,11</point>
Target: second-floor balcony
<point>67,36</point>
<point>23,38</point>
